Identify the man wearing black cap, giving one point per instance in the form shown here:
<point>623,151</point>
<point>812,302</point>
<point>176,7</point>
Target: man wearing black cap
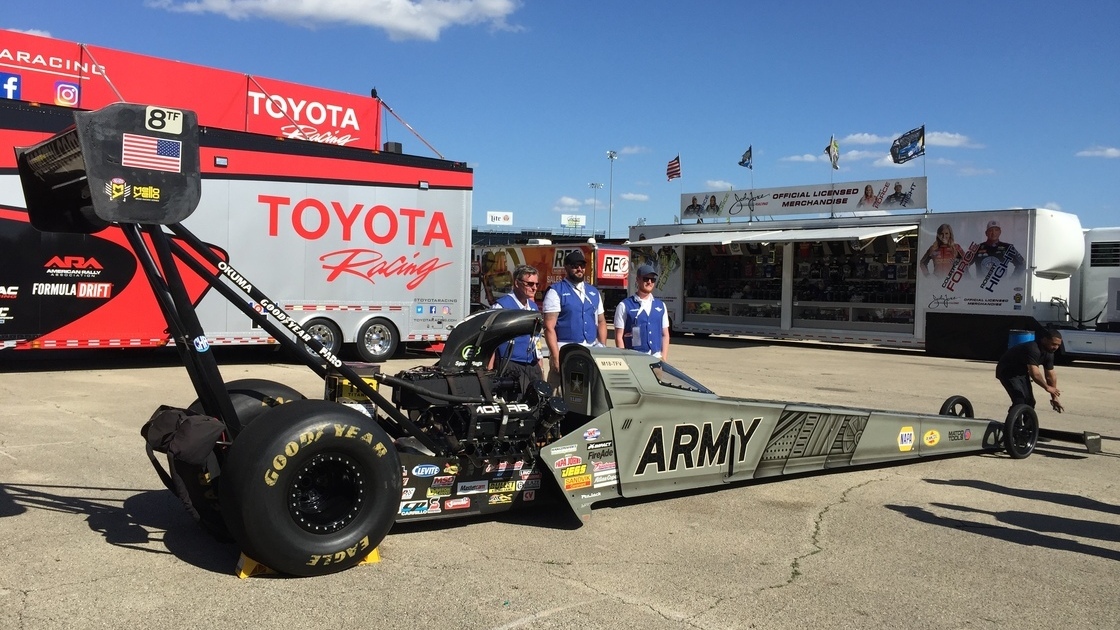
<point>641,321</point>
<point>573,313</point>
<point>995,253</point>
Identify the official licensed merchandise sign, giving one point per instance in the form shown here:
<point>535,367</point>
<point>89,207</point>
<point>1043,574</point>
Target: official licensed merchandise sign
<point>900,193</point>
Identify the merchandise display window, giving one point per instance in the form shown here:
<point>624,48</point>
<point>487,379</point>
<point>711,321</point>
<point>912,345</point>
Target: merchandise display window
<point>739,283</point>
<point>862,285</point>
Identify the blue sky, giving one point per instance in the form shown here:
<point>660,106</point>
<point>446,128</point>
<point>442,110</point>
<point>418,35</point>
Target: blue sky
<point>1020,98</point>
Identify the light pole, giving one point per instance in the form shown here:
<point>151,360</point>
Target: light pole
<point>612,156</point>
<point>594,186</point>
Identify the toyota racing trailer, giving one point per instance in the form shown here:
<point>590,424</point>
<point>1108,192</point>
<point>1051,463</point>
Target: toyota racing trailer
<point>361,243</point>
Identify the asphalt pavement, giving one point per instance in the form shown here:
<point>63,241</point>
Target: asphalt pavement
<point>89,538</point>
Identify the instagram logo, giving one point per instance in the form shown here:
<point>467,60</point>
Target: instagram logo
<point>66,94</point>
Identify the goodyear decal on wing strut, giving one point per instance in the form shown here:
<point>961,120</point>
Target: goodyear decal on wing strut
<point>694,447</point>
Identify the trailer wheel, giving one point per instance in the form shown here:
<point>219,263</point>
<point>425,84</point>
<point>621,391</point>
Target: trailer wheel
<point>312,489</point>
<point>1020,431</point>
<point>327,332</point>
<point>377,340</point>
<point>957,406</point>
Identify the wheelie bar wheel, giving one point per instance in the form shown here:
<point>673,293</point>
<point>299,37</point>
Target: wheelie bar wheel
<point>1020,431</point>
<point>311,488</point>
<point>957,406</point>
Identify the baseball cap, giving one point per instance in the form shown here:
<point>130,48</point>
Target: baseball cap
<point>646,270</point>
<point>992,224</point>
<point>574,257</point>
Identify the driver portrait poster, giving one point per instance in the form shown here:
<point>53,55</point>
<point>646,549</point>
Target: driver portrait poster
<point>973,262</point>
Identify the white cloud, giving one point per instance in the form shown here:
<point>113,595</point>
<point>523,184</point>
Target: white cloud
<point>1052,205</point>
<point>807,157</point>
<point>717,184</point>
<point>401,19</point>
<point>31,31</point>
<point>1098,151</point>
<point>566,204</point>
<point>856,154</point>
<point>633,150</point>
<point>969,171</point>
<point>947,139</point>
<point>634,197</point>
<point>865,138</point>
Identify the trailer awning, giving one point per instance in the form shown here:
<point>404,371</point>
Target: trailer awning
<point>826,234</point>
<point>704,238</point>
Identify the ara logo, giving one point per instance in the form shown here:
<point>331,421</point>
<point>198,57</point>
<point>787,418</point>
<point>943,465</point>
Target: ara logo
<point>73,262</point>
<point>425,470</point>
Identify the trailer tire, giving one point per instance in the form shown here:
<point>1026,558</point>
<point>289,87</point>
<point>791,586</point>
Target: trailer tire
<point>957,406</point>
<point>327,332</point>
<point>377,340</point>
<point>1020,431</point>
<point>311,490</point>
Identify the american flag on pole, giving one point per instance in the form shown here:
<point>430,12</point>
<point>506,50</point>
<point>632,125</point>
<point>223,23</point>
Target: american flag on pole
<point>673,171</point>
<point>152,153</point>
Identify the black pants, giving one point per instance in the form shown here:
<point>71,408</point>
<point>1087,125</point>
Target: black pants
<point>526,372</point>
<point>1019,388</point>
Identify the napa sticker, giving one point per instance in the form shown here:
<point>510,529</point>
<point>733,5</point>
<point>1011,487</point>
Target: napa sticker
<point>906,439</point>
<point>931,438</point>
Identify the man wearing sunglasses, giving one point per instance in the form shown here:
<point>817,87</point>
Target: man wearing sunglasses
<point>524,356</point>
<point>573,313</point>
<point>641,321</point>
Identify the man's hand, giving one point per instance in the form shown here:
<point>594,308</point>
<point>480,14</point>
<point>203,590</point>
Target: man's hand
<point>1057,405</point>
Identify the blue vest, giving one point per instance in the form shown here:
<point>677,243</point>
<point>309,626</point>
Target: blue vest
<point>523,350</point>
<point>577,322</point>
<point>647,326</point>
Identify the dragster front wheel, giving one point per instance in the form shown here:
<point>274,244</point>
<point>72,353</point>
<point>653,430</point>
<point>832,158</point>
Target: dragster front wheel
<point>312,488</point>
<point>1020,431</point>
<point>957,406</point>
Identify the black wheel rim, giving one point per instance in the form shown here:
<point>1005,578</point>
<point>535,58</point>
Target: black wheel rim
<point>327,494</point>
<point>957,409</point>
<point>1023,433</point>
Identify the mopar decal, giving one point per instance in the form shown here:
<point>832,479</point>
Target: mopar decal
<point>696,446</point>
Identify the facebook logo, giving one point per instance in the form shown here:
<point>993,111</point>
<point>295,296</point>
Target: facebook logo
<point>9,85</point>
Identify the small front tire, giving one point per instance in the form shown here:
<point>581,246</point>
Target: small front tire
<point>957,406</point>
<point>1020,431</point>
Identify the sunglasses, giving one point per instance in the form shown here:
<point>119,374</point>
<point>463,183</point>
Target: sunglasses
<point>528,284</point>
<point>578,265</point>
<point>651,279</point>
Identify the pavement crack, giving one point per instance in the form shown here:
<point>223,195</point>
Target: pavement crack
<point>815,536</point>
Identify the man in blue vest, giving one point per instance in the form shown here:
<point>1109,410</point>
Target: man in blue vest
<point>573,313</point>
<point>524,356</point>
<point>641,321</point>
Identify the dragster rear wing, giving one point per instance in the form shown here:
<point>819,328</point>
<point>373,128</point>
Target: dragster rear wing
<point>137,166</point>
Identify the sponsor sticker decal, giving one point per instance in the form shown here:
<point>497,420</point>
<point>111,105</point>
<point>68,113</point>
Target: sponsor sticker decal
<point>906,439</point>
<point>591,434</point>
<point>931,438</point>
